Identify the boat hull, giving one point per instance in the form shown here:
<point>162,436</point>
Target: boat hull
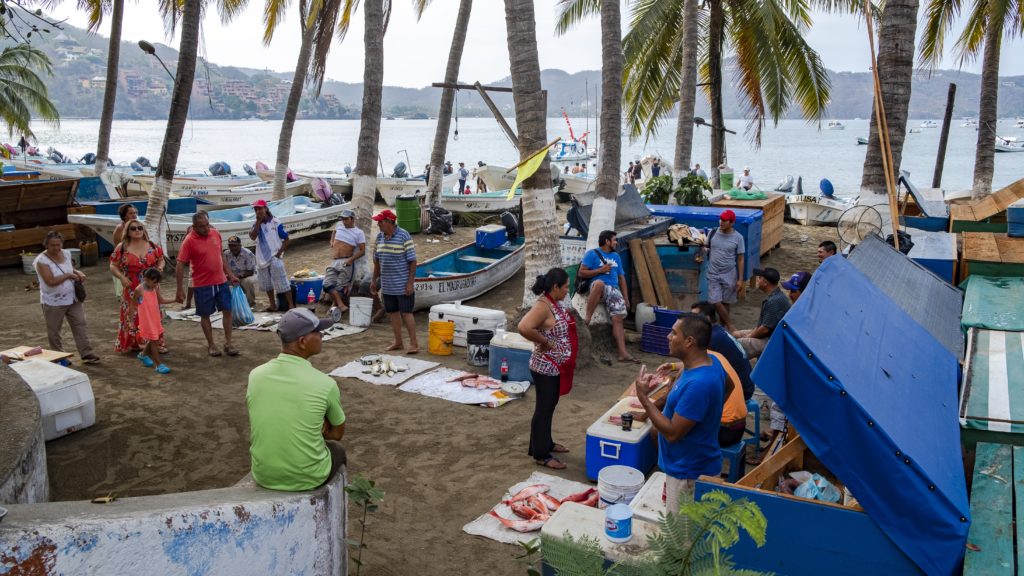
<point>459,287</point>
<point>198,182</point>
<point>242,195</point>
<point>390,189</point>
<point>815,210</point>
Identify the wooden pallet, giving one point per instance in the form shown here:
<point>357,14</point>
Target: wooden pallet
<point>773,221</point>
<point>12,244</point>
<point>992,254</point>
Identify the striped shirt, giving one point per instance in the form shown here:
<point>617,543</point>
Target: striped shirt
<point>393,255</point>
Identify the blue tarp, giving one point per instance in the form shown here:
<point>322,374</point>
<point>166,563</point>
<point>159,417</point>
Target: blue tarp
<point>874,396</point>
<point>748,224</point>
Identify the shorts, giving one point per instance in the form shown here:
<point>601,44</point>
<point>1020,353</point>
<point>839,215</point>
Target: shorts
<point>613,301</point>
<point>210,299</point>
<point>778,418</point>
<point>398,303</point>
<point>722,288</point>
<point>675,492</point>
<point>338,275</point>
<point>273,277</point>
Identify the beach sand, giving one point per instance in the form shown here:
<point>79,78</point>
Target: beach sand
<point>441,464</point>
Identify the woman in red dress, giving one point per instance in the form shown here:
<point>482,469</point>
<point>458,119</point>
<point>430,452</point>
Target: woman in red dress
<point>130,259</point>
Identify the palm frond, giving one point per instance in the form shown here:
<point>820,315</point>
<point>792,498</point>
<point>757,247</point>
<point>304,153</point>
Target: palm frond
<point>652,69</point>
<point>273,14</point>
<point>939,18</point>
<point>571,12</point>
<point>323,27</point>
<point>348,11</point>
<point>419,7</point>
<point>22,91</point>
<point>972,39</point>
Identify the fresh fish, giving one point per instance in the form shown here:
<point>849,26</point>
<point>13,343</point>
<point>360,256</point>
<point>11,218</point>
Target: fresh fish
<point>581,497</point>
<point>521,525</point>
<point>531,490</point>
<point>592,499</point>
<point>549,501</point>
<point>537,504</point>
<point>462,376</point>
<point>524,510</point>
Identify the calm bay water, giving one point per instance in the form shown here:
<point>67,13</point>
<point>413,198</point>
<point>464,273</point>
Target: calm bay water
<point>793,147</point>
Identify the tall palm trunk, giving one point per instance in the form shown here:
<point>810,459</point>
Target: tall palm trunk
<point>444,116</point>
<point>291,111</point>
<point>716,34</point>
<point>364,179</point>
<point>110,91</point>
<point>602,217</point>
<point>687,92</point>
<point>895,71</point>
<point>176,118</point>
<point>539,220</point>
<point>984,157</point>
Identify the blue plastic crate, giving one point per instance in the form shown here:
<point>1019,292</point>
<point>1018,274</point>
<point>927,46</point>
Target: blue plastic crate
<point>654,339</point>
<point>666,317</point>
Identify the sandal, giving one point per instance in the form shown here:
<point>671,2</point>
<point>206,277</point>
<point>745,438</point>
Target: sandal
<point>552,462</point>
<point>90,359</point>
<point>559,449</point>
<point>146,360</point>
<point>230,350</point>
<point>755,460</point>
<point>213,351</point>
<point>632,359</point>
<point>163,350</point>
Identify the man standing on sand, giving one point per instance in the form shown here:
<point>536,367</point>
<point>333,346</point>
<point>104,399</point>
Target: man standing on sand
<point>348,243</point>
<point>243,265</point>
<point>203,251</point>
<point>725,250</point>
<point>271,241</point>
<point>607,284</point>
<point>295,414</point>
<point>463,176</point>
<point>394,267</point>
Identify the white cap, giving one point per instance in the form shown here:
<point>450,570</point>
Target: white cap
<point>746,168</point>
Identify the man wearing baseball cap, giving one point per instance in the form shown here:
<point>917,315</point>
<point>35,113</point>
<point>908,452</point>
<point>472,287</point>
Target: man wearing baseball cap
<point>394,268</point>
<point>243,265</point>
<point>746,180</point>
<point>348,243</point>
<point>796,285</point>
<point>725,249</point>
<point>773,308</point>
<point>271,241</point>
<point>295,414</point>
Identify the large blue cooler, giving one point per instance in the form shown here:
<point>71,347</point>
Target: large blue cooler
<point>516,350</point>
<point>748,224</point>
<point>304,285</point>
<point>609,445</point>
<point>491,236</point>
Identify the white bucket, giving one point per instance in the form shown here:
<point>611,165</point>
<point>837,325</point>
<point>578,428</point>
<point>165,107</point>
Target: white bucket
<point>76,257</point>
<point>26,264</point>
<point>644,314</point>
<point>618,523</point>
<point>360,311</point>
<point>618,485</point>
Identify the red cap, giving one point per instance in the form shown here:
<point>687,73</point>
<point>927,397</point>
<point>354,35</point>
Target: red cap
<point>728,215</point>
<point>385,215</point>
<point>259,203</point>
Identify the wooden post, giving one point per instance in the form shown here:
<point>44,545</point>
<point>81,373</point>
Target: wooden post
<point>497,114</point>
<point>940,158</point>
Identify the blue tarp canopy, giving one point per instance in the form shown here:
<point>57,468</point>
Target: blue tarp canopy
<point>874,396</point>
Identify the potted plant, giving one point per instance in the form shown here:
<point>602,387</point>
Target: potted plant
<point>690,191</point>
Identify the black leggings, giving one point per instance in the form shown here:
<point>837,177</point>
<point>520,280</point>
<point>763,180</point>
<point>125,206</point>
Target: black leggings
<point>543,413</point>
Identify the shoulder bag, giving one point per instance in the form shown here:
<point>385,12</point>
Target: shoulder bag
<point>583,284</point>
<point>79,286</point>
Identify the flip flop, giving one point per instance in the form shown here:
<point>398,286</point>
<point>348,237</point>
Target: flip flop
<point>413,351</point>
<point>632,359</point>
<point>559,449</point>
<point>91,359</point>
<point>162,369</point>
<point>213,351</point>
<point>552,462</point>
<point>146,360</point>
<point>230,350</point>
<point>163,350</point>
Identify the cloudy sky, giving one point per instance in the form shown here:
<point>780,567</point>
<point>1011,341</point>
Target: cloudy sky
<point>415,53</point>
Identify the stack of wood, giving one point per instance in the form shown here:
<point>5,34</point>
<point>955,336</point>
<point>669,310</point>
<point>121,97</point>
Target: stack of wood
<point>654,287</point>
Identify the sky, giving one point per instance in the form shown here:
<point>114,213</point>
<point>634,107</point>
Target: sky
<point>416,52</point>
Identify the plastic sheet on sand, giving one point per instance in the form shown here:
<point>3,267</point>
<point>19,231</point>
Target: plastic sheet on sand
<point>354,369</point>
<point>435,384</point>
<point>489,527</point>
<point>264,322</point>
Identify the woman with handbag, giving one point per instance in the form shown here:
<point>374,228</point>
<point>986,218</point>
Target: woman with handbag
<point>61,293</point>
<point>552,329</point>
<point>133,256</point>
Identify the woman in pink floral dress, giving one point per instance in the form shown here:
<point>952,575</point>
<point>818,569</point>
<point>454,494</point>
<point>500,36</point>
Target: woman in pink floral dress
<point>130,259</point>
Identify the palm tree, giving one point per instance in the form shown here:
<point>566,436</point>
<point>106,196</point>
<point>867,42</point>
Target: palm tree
<point>444,116</point>
<point>539,220</point>
<point>95,9</point>
<point>986,25</point>
<point>22,91</point>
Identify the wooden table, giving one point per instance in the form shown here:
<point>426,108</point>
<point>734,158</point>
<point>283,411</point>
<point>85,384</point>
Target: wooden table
<point>991,254</point>
<point>991,409</point>
<point>45,355</point>
<point>774,208</point>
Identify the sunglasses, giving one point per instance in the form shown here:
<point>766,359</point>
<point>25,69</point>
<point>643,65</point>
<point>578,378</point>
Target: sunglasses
<point>135,229</point>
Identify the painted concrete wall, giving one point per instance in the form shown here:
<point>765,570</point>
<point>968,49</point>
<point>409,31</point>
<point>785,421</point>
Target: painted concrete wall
<point>242,530</point>
<point>23,478</point>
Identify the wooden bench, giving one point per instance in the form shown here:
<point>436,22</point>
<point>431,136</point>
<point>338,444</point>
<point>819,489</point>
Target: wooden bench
<point>991,540</point>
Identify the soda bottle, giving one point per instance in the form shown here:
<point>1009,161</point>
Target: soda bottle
<point>504,369</point>
<point>311,298</point>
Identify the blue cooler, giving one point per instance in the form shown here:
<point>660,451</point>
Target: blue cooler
<point>516,350</point>
<point>304,285</point>
<point>491,236</point>
<point>608,444</point>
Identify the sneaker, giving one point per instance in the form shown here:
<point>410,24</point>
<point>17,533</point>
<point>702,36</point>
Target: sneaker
<point>162,369</point>
<point>146,360</point>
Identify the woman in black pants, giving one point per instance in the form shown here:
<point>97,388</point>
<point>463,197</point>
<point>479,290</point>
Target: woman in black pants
<point>553,331</point>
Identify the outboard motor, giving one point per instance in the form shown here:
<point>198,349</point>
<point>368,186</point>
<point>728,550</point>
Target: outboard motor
<point>57,157</point>
<point>400,171</point>
<point>321,189</point>
<point>143,161</point>
<point>511,224</point>
<point>89,158</point>
<point>826,188</point>
<point>799,186</point>
<point>248,170</point>
<point>785,185</point>
<point>347,169</point>
<point>220,169</point>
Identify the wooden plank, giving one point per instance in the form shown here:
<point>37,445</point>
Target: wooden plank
<point>991,532</point>
<point>661,287</point>
<point>1011,250</point>
<point>774,464</point>
<point>981,247</point>
<point>643,275</point>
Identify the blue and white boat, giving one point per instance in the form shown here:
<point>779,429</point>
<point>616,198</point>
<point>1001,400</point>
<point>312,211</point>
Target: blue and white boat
<point>496,201</point>
<point>466,272</point>
<point>570,151</point>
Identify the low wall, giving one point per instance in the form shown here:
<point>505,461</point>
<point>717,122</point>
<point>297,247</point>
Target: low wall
<point>240,530</point>
<point>23,478</point>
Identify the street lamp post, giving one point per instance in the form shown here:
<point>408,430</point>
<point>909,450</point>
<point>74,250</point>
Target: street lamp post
<point>151,50</point>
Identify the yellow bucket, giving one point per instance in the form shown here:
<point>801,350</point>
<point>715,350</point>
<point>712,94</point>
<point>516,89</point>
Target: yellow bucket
<point>440,337</point>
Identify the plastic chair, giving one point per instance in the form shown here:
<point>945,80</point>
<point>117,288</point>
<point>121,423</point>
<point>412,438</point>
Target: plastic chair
<point>734,454</point>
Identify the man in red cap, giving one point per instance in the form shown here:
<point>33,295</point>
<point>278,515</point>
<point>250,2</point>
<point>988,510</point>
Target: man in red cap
<point>271,241</point>
<point>394,267</point>
<point>725,249</point>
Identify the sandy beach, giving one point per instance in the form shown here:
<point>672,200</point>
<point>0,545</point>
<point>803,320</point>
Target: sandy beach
<point>442,464</point>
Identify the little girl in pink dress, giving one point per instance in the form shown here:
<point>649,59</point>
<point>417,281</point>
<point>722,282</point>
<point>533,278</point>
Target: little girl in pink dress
<point>146,300</point>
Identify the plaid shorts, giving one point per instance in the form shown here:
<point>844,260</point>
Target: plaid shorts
<point>614,301</point>
<point>273,277</point>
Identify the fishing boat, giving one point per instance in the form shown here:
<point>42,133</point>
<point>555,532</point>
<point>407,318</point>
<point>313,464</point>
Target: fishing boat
<point>494,201</point>
<point>339,182</point>
<point>835,125</point>
<point>817,210</point>
<point>198,181</point>
<point>1018,123</point>
<point>242,195</point>
<point>301,217</point>
<point>500,178</point>
<point>914,131</point>
<point>969,123</point>
<point>861,141</point>
<point>571,151</point>
<point>466,272</point>
<point>391,187</point>
<point>929,124</point>
<point>1008,144</point>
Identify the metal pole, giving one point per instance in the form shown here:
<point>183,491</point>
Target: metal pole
<point>940,158</point>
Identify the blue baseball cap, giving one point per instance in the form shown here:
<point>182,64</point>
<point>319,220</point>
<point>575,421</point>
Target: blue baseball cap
<point>798,281</point>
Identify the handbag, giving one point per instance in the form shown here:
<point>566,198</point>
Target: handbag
<point>80,293</point>
<point>583,284</point>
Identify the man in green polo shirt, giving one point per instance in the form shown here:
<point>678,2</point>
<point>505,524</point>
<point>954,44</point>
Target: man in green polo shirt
<point>294,410</point>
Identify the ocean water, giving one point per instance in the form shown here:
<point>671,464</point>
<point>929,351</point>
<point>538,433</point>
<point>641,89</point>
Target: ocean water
<point>791,148</point>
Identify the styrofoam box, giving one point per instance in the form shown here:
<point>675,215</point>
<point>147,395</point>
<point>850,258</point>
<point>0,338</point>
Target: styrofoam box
<point>468,318</point>
<point>648,504</point>
<point>578,521</point>
<point>516,350</point>
<point>65,396</point>
<point>608,444</point>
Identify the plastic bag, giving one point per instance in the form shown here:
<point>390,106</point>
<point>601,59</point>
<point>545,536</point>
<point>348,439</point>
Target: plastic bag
<point>817,488</point>
<point>241,313</point>
<point>440,221</point>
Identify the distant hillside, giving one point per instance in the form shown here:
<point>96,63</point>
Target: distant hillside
<point>79,62</point>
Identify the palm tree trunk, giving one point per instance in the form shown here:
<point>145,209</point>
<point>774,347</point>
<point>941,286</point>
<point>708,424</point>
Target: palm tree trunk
<point>291,111</point>
<point>539,216</point>
<point>444,116</point>
<point>716,34</point>
<point>110,91</point>
<point>984,157</point>
<point>364,178</point>
<point>687,92</point>
<point>895,71</point>
<point>176,118</point>
<point>602,216</point>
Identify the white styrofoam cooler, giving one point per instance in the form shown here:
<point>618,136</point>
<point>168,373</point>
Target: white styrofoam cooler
<point>65,396</point>
<point>468,318</point>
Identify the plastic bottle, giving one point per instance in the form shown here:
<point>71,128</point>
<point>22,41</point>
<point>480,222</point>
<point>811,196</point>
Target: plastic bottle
<point>504,369</point>
<point>311,298</point>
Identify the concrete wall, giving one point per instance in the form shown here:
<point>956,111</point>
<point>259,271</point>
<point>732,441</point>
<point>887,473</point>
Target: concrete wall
<point>23,478</point>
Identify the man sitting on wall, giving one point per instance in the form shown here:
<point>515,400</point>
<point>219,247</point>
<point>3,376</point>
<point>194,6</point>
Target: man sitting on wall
<point>603,267</point>
<point>773,308</point>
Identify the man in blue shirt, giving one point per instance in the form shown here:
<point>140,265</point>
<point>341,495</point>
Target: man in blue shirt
<point>394,267</point>
<point>688,426</point>
<point>607,284</point>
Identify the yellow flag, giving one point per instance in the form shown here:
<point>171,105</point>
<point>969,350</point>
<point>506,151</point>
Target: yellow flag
<point>527,169</point>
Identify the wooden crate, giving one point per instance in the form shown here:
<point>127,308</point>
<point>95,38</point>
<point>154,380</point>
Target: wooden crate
<point>774,208</point>
<point>986,214</point>
<point>12,244</point>
<point>991,254</point>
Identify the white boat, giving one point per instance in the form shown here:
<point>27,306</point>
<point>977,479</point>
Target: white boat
<point>570,151</point>
<point>861,141</point>
<point>835,125</point>
<point>242,195</point>
<point>301,217</point>
<point>339,182</point>
<point>389,188</point>
<point>198,182</point>
<point>817,210</point>
<point>1019,123</point>
<point>914,131</point>
<point>1008,144</point>
<point>494,201</point>
<point>969,123</point>
<point>929,124</point>
<point>466,272</point>
<point>499,178</point>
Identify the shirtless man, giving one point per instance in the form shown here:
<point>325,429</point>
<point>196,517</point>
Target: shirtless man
<point>348,244</point>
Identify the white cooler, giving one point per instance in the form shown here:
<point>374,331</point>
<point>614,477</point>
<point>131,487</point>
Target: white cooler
<point>468,318</point>
<point>65,396</point>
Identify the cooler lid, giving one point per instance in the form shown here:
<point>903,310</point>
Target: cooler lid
<point>47,377</point>
<point>456,310</point>
<point>603,429</point>
<point>490,228</point>
<point>511,340</point>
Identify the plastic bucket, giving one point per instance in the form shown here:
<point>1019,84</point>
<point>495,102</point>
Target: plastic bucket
<point>360,310</point>
<point>304,285</point>
<point>440,337</point>
<point>76,257</point>
<point>644,315</point>
<point>478,347</point>
<point>26,264</point>
<point>407,207</point>
<point>618,485</point>
<point>725,180</point>
<point>618,523</point>
<point>665,317</point>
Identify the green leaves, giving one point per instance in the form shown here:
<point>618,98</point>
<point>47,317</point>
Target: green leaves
<point>23,93</point>
<point>362,492</point>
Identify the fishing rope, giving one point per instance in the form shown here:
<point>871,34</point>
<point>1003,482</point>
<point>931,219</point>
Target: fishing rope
<point>456,135</point>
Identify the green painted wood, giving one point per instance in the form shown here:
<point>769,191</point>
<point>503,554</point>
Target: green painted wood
<point>1018,488</point>
<point>994,268</point>
<point>991,513</point>
<point>969,438</point>
<point>968,226</point>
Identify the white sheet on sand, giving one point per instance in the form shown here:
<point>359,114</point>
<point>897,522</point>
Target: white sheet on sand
<point>435,385</point>
<point>489,527</point>
<point>264,322</point>
<point>355,370</point>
